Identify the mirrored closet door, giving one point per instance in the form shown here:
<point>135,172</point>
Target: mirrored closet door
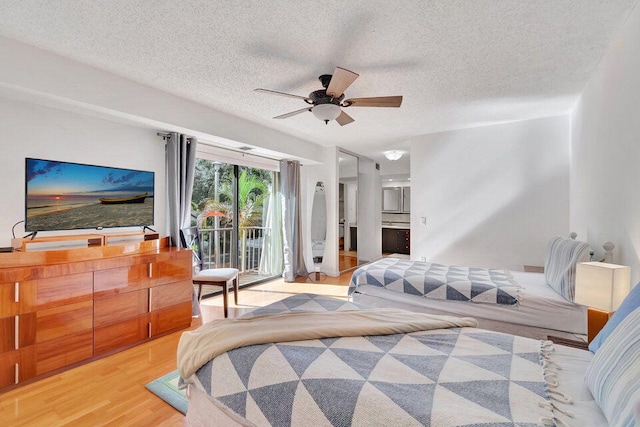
<point>347,211</point>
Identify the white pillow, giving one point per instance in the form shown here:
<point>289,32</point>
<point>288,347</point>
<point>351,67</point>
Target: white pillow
<point>563,254</point>
<point>613,376</point>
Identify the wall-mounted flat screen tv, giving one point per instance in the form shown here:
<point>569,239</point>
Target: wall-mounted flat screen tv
<point>67,196</point>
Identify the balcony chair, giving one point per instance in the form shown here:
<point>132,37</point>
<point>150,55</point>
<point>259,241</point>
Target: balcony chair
<point>190,238</point>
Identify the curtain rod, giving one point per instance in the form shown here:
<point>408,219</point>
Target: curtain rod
<point>166,135</point>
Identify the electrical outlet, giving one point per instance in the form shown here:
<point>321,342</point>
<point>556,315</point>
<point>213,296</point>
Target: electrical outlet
<point>423,259</point>
<point>423,221</point>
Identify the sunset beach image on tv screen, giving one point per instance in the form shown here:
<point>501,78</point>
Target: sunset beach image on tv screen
<point>65,196</point>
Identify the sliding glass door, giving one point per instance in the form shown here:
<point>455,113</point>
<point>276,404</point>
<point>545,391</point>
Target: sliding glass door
<point>239,219</point>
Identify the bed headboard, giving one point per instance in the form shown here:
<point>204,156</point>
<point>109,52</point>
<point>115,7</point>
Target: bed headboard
<point>608,249</point>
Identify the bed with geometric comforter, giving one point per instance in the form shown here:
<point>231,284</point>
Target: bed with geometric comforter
<point>439,281</point>
<point>346,365</point>
<point>530,304</point>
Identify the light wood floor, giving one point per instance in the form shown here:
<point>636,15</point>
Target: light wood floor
<point>111,392</point>
<point>347,260</point>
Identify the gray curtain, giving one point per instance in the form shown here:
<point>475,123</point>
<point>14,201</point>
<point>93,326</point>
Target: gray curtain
<point>180,160</point>
<point>180,164</point>
<point>291,220</point>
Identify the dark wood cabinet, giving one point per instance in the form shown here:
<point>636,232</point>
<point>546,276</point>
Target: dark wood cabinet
<point>353,238</point>
<point>396,240</point>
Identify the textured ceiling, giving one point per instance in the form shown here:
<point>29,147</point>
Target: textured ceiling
<point>458,63</point>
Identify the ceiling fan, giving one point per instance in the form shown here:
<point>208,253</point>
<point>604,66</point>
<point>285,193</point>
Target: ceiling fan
<point>326,104</point>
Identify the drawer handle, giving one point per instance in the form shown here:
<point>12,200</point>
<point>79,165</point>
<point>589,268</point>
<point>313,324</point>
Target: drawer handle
<point>149,332</point>
<point>150,270</point>
<point>149,302</point>
<point>16,332</point>
<point>16,291</point>
<point>16,374</point>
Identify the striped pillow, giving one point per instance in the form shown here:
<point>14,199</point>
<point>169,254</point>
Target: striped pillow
<point>563,254</point>
<point>613,376</point>
<point>629,304</point>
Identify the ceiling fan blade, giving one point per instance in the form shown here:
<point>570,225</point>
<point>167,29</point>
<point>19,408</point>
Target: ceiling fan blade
<point>293,113</point>
<point>378,101</point>
<point>274,92</point>
<point>340,81</point>
<point>344,119</point>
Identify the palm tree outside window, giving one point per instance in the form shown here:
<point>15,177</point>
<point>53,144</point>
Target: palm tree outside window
<point>223,192</point>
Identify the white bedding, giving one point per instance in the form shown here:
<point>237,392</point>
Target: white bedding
<point>585,410</point>
<point>540,306</point>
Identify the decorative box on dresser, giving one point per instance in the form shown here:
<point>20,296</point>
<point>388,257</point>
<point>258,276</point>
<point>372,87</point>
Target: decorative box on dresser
<point>59,308</point>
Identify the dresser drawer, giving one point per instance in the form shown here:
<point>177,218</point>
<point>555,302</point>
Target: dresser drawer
<point>174,293</point>
<point>173,267</point>
<point>60,352</point>
<point>121,334</point>
<point>116,308</point>
<point>119,280</point>
<point>171,318</point>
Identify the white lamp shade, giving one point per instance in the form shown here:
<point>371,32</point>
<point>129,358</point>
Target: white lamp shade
<point>326,111</point>
<point>601,285</point>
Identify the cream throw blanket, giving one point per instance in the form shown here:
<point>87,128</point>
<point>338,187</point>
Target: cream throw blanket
<point>212,339</point>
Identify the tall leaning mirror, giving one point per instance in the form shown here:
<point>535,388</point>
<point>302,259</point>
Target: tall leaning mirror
<point>318,225</point>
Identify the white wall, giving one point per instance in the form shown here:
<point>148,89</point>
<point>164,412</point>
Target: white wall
<point>369,211</point>
<point>351,201</point>
<point>492,196</point>
<point>29,130</point>
<point>399,183</point>
<point>605,200</point>
<point>395,168</point>
<point>44,77</point>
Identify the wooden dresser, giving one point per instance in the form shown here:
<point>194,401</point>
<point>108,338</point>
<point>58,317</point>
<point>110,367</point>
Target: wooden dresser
<point>59,308</point>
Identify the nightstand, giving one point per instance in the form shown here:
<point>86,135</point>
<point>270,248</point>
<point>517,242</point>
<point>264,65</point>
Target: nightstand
<point>601,287</point>
<point>533,269</point>
<point>583,345</point>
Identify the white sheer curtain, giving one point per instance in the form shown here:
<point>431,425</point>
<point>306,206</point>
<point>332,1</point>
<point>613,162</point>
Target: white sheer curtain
<point>271,260</point>
<point>291,220</point>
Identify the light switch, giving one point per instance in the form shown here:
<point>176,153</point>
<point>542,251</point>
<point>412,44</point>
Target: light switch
<point>423,220</point>
<point>423,259</point>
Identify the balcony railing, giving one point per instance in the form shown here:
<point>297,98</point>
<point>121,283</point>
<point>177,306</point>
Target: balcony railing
<point>217,243</point>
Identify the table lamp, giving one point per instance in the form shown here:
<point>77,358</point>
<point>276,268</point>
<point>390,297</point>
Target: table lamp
<point>601,287</point>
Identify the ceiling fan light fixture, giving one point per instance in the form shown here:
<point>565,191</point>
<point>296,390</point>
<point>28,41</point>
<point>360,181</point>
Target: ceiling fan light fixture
<point>326,112</point>
<point>326,103</point>
<point>393,155</point>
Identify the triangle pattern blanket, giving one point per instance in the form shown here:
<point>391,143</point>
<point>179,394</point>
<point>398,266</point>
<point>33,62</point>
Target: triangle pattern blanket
<point>445,377</point>
<point>439,281</point>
